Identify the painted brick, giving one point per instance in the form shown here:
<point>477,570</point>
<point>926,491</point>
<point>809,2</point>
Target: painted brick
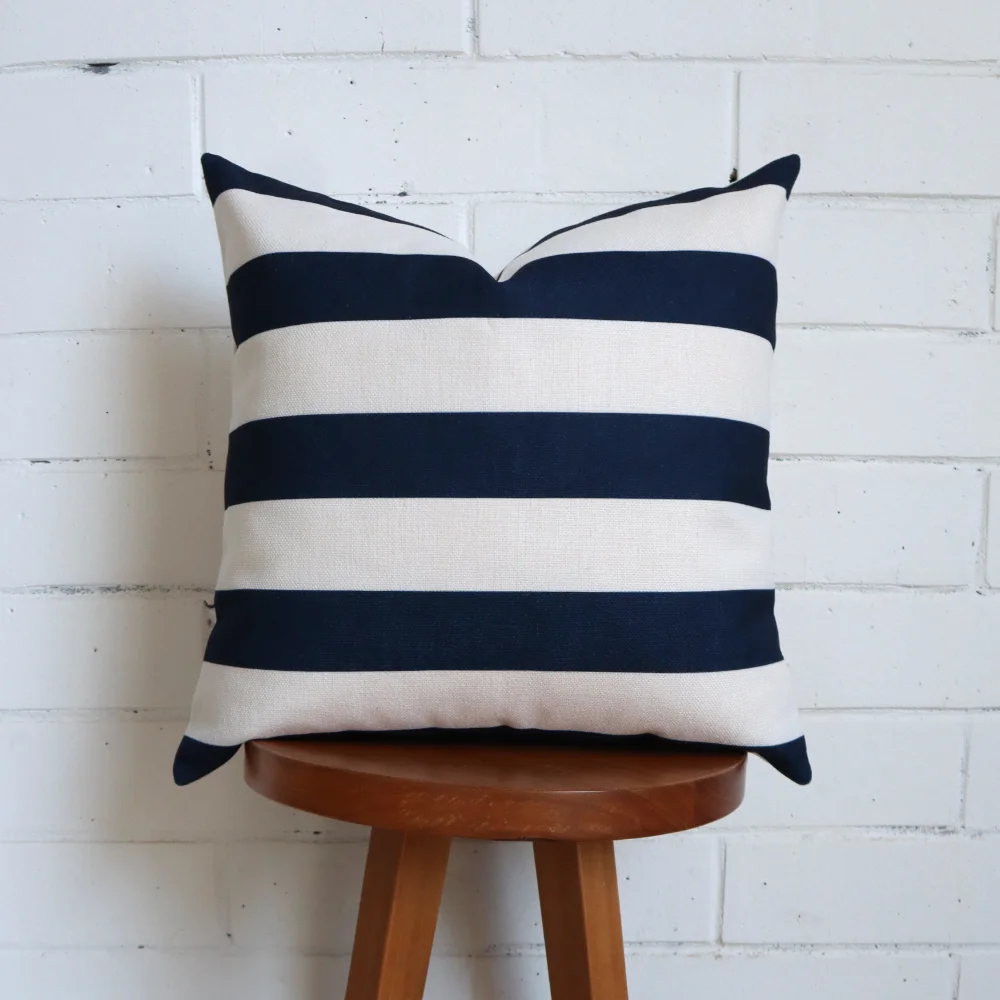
<point>980,974</point>
<point>109,895</point>
<point>868,132</point>
<point>885,266</point>
<point>905,649</point>
<point>169,29</point>
<point>100,650</point>
<point>130,134</point>
<point>868,522</point>
<point>490,899</point>
<point>665,885</point>
<point>132,264</point>
<point>298,895</point>
<point>856,778</point>
<point>982,800</point>
<point>871,392</point>
<point>720,28</point>
<point>668,888</point>
<point>101,395</point>
<point>110,528</point>
<point>168,975</point>
<point>499,126</point>
<point>791,976</point>
<point>304,895</point>
<point>993,533</point>
<point>111,780</point>
<point>996,297</point>
<point>504,229</point>
<point>828,890</point>
<point>277,975</point>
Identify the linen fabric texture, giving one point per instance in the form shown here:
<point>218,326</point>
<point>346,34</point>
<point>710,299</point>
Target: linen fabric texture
<point>525,507</point>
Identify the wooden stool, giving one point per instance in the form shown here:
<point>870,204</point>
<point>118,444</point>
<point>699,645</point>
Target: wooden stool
<point>572,802</point>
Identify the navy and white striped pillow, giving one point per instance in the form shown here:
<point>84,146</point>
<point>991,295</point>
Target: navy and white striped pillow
<point>536,501</point>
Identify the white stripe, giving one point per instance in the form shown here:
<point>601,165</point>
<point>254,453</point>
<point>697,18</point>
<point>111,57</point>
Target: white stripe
<point>495,544</point>
<point>750,707</point>
<point>735,222</point>
<point>593,366</point>
<point>251,225</point>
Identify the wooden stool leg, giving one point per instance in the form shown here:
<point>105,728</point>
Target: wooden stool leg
<point>400,897</point>
<point>578,889</point>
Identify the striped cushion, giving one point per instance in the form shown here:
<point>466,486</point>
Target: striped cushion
<point>532,502</point>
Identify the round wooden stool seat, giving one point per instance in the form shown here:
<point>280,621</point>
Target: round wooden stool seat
<point>572,802</point>
<point>500,792</point>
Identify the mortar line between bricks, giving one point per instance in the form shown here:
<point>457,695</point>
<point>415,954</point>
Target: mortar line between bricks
<point>474,25</point>
<point>756,834</point>
<point>469,221</point>
<point>982,553</point>
<point>832,200</point>
<point>955,335</point>
<point>133,713</point>
<point>817,949</point>
<point>110,713</point>
<point>695,949</point>
<point>736,126</point>
<point>975,68</point>
<point>848,587</point>
<point>153,589</point>
<point>199,461</point>
<point>107,589</point>
<point>203,401</point>
<point>91,199</point>
<point>949,335</point>
<point>198,130</point>
<point>830,327</point>
<point>869,711</point>
<point>886,833</point>
<point>129,464</point>
<point>995,275</point>
<point>963,791</point>
<point>222,840</point>
<point>720,916</point>
<point>962,460</point>
<point>117,331</point>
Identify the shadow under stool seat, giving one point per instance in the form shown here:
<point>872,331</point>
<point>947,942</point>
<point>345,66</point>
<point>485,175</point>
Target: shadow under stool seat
<point>572,803</point>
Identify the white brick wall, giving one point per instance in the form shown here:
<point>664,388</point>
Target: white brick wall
<point>823,29</point>
<point>496,122</point>
<point>117,145</point>
<point>868,132</point>
<point>862,890</point>
<point>463,126</point>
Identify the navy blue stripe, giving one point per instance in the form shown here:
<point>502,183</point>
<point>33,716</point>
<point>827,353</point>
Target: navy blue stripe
<point>626,455</point>
<point>222,175</point>
<point>732,290</point>
<point>643,632</point>
<point>781,172</point>
<point>195,759</point>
